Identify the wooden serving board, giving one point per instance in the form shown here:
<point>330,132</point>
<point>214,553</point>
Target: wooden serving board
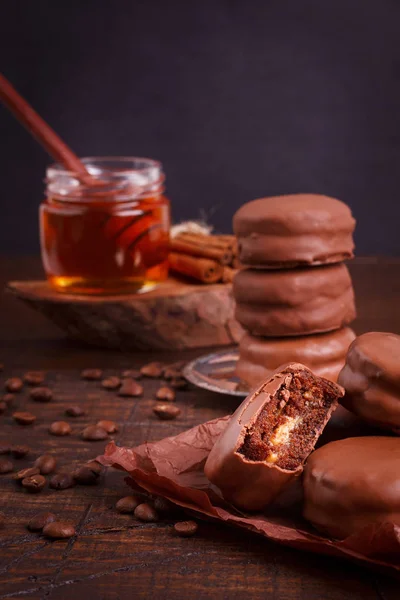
<point>175,315</point>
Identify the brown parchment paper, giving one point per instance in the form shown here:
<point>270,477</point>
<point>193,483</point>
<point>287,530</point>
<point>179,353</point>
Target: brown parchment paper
<point>173,468</point>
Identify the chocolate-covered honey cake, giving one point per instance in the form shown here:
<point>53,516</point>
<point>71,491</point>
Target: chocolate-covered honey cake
<point>284,431</point>
<point>270,436</point>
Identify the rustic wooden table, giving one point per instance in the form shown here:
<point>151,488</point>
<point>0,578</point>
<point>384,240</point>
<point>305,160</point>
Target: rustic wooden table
<point>113,556</point>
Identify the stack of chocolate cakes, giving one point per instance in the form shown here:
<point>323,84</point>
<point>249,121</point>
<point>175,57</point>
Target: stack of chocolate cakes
<point>294,295</point>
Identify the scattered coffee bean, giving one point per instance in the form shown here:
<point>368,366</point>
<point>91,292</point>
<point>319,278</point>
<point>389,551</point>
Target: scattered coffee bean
<point>179,383</point>
<point>166,412</point>
<point>173,371</point>
<point>20,451</point>
<point>60,428</point>
<point>132,373</point>
<point>41,394</point>
<point>128,504</point>
<point>171,374</point>
<point>24,418</point>
<point>8,398</point>
<point>109,426</point>
<point>75,411</point>
<point>2,520</point>
<point>111,383</point>
<point>34,377</point>
<point>3,407</point>
<point>92,374</point>
<point>94,433</point>
<point>146,512</point>
<point>153,369</point>
<point>59,530</point>
<point>15,384</point>
<point>85,475</point>
<point>29,472</point>
<point>46,464</point>
<point>130,388</point>
<point>95,466</point>
<point>166,394</point>
<point>164,506</point>
<point>62,481</point>
<point>5,449</point>
<point>41,520</point>
<point>186,528</point>
<point>6,466</point>
<point>34,483</point>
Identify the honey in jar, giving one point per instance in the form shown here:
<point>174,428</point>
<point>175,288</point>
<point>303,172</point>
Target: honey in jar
<point>110,238</point>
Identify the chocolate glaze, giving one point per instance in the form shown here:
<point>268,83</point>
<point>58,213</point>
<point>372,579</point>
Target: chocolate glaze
<point>252,485</point>
<point>294,302</point>
<point>323,353</point>
<point>371,377</point>
<point>299,229</point>
<point>352,483</point>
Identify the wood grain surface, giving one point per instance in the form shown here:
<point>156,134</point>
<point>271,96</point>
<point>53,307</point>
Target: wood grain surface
<point>113,556</point>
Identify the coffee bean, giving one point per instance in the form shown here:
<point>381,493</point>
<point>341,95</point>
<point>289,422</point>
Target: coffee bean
<point>6,466</point>
<point>95,466</point>
<point>132,374</point>
<point>85,475</point>
<point>29,472</point>
<point>20,451</point>
<point>40,520</point>
<point>166,412</point>
<point>146,512</point>
<point>130,388</point>
<point>15,384</point>
<point>109,426</point>
<point>2,520</point>
<point>34,484</point>
<point>5,449</point>
<point>174,370</point>
<point>60,428</point>
<point>46,464</point>
<point>179,383</point>
<point>186,528</point>
<point>34,377</point>
<point>127,504</point>
<point>171,374</point>
<point>41,394</point>
<point>3,407</point>
<point>1,367</point>
<point>24,418</point>
<point>94,433</point>
<point>75,411</point>
<point>111,383</point>
<point>164,506</point>
<point>62,481</point>
<point>59,530</point>
<point>166,394</point>
<point>8,398</point>
<point>92,374</point>
<point>153,369</point>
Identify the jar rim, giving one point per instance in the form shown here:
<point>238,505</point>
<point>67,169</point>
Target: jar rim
<point>125,177</point>
<point>147,164</point>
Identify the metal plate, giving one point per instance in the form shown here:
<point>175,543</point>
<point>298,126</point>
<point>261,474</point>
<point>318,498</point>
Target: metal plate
<point>216,372</point>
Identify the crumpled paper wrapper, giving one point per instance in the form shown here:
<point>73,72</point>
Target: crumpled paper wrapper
<point>173,468</point>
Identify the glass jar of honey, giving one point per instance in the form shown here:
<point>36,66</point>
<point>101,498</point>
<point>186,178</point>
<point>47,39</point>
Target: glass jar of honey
<point>108,238</point>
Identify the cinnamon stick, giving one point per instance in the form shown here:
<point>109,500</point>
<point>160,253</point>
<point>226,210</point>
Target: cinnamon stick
<point>211,240</point>
<point>228,274</point>
<point>204,250</point>
<point>202,269</point>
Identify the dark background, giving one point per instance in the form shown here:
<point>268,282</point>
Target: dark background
<point>238,99</point>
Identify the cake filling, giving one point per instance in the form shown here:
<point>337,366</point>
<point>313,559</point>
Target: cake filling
<point>285,431</point>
